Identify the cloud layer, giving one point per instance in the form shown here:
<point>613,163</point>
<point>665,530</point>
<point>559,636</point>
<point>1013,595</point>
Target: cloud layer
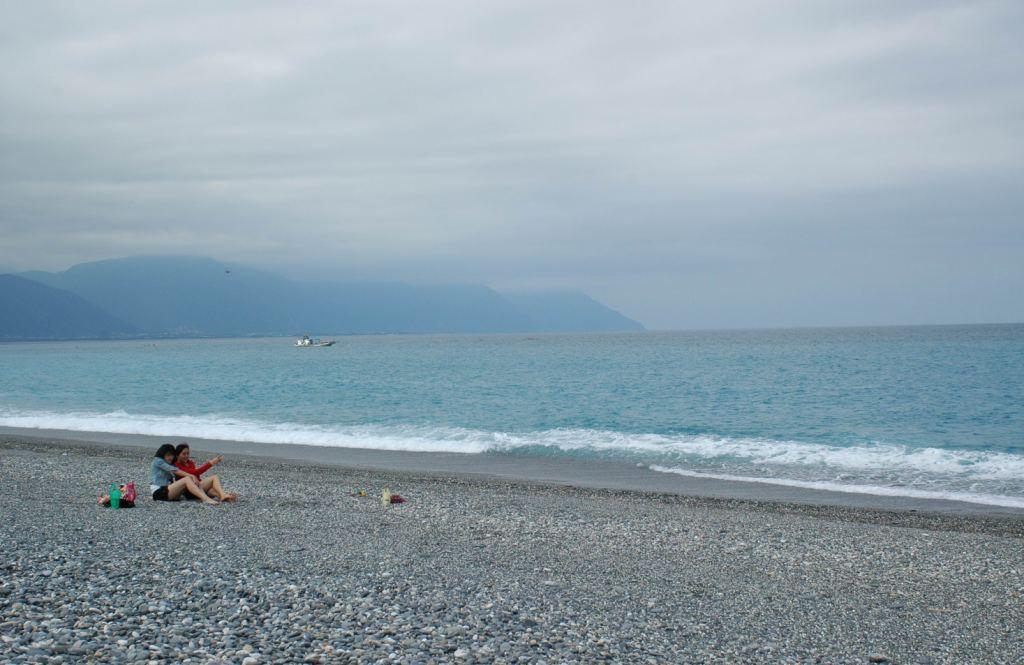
<point>694,166</point>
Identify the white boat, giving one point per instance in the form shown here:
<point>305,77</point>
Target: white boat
<point>312,341</point>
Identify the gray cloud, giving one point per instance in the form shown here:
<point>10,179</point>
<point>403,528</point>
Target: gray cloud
<point>742,165</point>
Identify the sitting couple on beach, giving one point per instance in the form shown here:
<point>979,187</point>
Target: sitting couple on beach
<point>173,474</point>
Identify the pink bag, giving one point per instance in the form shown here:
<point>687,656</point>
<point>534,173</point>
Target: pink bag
<point>127,497</point>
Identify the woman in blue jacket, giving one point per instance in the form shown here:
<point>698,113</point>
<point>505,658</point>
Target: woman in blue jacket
<point>167,482</point>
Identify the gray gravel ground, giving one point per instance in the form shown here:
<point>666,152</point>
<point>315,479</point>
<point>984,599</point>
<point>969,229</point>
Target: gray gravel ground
<point>476,571</point>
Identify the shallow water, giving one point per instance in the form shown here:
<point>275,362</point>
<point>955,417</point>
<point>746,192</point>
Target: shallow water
<point>920,411</point>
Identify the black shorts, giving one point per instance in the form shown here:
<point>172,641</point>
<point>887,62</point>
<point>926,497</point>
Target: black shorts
<point>161,495</point>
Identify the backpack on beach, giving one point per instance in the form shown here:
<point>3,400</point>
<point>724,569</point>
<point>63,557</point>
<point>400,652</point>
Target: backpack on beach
<point>127,497</point>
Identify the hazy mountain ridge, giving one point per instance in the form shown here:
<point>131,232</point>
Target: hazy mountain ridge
<point>569,312</point>
<point>31,310</point>
<point>179,294</point>
<point>186,296</point>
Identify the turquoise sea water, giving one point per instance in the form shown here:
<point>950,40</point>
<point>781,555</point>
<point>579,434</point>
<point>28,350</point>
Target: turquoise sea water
<point>920,411</point>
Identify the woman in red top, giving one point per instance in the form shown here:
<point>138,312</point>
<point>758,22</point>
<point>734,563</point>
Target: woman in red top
<point>211,485</point>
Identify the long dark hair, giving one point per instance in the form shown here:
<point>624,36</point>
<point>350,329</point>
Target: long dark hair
<point>164,449</point>
<point>177,451</point>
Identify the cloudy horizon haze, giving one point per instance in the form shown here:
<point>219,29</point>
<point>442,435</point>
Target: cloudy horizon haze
<point>747,164</point>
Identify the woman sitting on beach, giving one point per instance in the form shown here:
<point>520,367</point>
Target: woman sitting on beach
<point>162,478</point>
<point>211,485</point>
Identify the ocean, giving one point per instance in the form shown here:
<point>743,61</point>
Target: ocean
<point>928,412</point>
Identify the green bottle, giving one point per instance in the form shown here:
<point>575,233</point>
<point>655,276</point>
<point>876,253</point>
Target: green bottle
<point>115,495</point>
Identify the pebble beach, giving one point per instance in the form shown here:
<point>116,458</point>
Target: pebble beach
<point>470,569</point>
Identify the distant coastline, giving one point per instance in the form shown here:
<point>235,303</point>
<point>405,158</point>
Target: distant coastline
<point>653,331</point>
<point>147,297</point>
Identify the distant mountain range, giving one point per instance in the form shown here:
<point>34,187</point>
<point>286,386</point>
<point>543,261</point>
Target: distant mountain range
<point>30,310</point>
<point>181,296</point>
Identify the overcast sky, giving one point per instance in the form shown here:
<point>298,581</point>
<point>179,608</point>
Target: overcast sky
<point>691,164</point>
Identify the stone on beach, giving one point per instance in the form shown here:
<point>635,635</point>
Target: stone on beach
<point>474,570</point>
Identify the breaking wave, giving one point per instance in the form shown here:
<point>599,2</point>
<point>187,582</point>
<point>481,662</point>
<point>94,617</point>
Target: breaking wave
<point>877,490</point>
<point>989,477</point>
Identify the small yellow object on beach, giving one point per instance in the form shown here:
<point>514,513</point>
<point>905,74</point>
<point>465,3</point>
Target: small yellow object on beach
<point>362,492</point>
<point>385,497</point>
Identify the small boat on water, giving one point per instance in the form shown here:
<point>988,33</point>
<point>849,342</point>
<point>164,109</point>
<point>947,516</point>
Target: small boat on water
<point>308,341</point>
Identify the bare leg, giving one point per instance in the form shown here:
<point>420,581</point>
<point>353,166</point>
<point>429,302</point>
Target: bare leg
<point>228,496</point>
<point>212,486</point>
<point>175,489</point>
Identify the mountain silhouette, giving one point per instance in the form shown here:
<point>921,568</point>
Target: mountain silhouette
<point>198,296</point>
<point>30,310</point>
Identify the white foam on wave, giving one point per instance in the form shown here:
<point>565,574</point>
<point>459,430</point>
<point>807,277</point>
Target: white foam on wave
<point>927,471</point>
<point>235,429</point>
<point>877,490</point>
<point>975,464</point>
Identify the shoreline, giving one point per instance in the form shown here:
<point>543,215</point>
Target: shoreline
<point>555,471</point>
